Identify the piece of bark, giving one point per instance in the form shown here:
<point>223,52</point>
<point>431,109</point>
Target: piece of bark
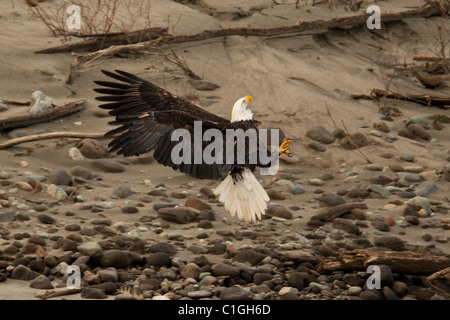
<point>44,116</point>
<point>427,10</point>
<point>329,214</point>
<point>50,135</point>
<point>103,41</point>
<point>406,262</point>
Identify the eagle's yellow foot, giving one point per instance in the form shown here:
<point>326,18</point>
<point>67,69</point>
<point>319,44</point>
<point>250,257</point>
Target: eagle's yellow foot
<point>284,148</point>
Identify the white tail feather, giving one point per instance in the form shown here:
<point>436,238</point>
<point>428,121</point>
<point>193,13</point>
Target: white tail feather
<point>246,198</point>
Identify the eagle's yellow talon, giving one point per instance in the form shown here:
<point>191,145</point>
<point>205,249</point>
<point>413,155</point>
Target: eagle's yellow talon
<point>284,148</point>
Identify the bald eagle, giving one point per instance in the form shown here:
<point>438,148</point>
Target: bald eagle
<point>149,117</point>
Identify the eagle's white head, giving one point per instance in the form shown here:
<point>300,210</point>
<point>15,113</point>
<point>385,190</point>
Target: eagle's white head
<point>240,111</point>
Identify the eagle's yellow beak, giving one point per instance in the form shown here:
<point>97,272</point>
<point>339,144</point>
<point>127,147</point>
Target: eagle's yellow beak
<point>248,99</point>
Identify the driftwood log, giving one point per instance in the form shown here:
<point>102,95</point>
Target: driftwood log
<point>50,135</point>
<point>424,99</point>
<point>406,262</point>
<point>329,214</point>
<point>431,9</point>
<point>44,116</point>
<point>100,41</point>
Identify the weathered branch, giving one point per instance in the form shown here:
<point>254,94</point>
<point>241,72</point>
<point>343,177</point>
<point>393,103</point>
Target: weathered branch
<point>44,116</point>
<point>103,41</point>
<point>50,135</point>
<point>424,11</point>
<point>424,99</point>
<point>406,262</point>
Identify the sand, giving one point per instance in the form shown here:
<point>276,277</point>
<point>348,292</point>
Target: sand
<point>293,79</point>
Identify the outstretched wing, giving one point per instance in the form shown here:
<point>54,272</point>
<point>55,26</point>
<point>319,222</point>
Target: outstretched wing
<point>133,96</point>
<point>147,116</point>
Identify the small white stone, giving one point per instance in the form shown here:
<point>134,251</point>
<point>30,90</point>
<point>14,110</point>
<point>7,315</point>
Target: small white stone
<point>40,102</point>
<point>75,154</point>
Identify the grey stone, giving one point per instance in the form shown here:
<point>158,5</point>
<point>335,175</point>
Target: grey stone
<point>41,282</point>
<point>92,148</point>
<point>163,247</point>
<point>108,274</point>
<point>40,102</point>
<point>116,258</point>
<point>80,171</point>
<point>346,225</point>
<point>7,216</point>
<point>191,270</point>
<point>45,218</point>
<point>331,200</point>
<point>90,249</point>
<point>370,295</point>
<point>60,178</point>
<point>320,134</point>
<point>296,188</point>
<point>426,188</point>
<point>122,192</point>
<point>388,293</point>
<point>222,269</point>
<point>390,242</point>
<point>248,255</point>
<point>22,272</point>
<point>400,288</point>
<point>199,294</point>
<point>93,293</point>
<point>158,259</point>
<point>235,293</point>
<point>108,165</point>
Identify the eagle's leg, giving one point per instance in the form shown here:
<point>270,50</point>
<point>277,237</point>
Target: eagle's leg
<point>284,148</point>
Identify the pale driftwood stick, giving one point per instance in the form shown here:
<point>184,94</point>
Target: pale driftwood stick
<point>427,10</point>
<point>106,40</point>
<point>44,116</point>
<point>52,293</point>
<point>50,135</point>
<point>406,262</point>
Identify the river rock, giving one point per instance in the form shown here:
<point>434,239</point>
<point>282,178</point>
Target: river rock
<point>177,214</point>
<point>296,188</point>
<point>41,282</point>
<point>235,293</point>
<point>92,148</point>
<point>116,258</point>
<point>90,249</point>
<point>158,259</point>
<point>40,102</point>
<point>22,272</point>
<point>191,270</point>
<point>390,242</point>
<point>197,204</point>
<point>60,178</point>
<point>222,269</point>
<point>108,165</point>
<point>426,188</point>
<point>320,134</point>
<point>80,171</point>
